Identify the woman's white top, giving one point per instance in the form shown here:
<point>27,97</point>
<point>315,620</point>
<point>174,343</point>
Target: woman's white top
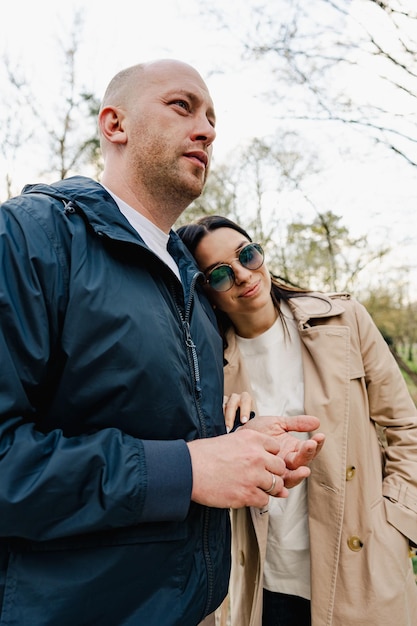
<point>274,364</point>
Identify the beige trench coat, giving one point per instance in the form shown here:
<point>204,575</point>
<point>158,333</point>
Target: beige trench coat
<point>362,498</point>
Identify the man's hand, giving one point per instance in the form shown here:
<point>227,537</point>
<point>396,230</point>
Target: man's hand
<point>296,453</point>
<point>260,459</point>
<point>235,470</point>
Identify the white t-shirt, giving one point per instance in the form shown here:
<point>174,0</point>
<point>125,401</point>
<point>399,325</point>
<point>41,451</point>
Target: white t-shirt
<point>273,361</point>
<point>154,237</point>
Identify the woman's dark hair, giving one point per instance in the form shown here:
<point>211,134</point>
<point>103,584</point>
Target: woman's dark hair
<point>193,233</point>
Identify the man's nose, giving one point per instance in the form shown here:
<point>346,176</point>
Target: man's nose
<point>204,131</point>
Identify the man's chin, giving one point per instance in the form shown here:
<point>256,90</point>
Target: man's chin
<point>195,188</point>
<point>190,186</point>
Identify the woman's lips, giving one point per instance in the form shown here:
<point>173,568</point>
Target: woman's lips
<point>250,290</point>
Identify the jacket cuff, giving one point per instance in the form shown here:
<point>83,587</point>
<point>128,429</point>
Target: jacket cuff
<point>169,481</point>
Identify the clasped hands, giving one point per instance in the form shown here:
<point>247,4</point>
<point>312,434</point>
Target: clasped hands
<point>238,469</point>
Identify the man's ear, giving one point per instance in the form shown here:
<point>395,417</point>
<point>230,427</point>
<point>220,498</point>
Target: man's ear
<point>111,122</point>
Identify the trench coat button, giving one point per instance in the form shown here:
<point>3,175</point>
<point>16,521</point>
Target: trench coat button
<point>241,558</point>
<point>350,472</point>
<point>355,543</point>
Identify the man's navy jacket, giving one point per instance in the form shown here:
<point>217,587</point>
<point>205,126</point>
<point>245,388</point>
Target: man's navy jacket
<point>108,365</point>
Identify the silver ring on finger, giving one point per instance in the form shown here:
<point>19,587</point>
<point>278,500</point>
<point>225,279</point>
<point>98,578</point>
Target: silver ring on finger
<point>272,487</point>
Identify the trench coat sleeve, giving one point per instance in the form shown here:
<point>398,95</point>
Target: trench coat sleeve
<point>52,485</point>
<point>391,407</point>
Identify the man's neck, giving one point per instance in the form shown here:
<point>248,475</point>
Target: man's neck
<point>162,214</point>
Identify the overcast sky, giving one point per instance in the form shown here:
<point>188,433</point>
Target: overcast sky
<point>374,195</point>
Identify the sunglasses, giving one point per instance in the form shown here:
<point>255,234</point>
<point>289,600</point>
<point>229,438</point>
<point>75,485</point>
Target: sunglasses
<point>222,277</point>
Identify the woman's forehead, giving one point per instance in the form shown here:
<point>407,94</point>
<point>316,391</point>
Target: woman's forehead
<point>219,245</point>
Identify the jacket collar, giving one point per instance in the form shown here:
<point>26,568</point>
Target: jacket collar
<point>102,213</point>
<point>316,305</point>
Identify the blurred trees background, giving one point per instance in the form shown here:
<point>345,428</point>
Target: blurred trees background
<point>337,68</point>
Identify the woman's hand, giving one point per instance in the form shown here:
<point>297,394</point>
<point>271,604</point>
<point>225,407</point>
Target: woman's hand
<point>237,409</point>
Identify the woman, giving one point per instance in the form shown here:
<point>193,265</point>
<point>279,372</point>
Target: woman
<point>342,540</point>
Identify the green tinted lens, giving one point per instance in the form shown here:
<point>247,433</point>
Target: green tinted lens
<point>251,256</point>
<point>221,278</point>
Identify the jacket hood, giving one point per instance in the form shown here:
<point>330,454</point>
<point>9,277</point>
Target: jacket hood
<point>89,196</point>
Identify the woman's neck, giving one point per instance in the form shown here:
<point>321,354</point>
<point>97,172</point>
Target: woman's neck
<point>255,323</point>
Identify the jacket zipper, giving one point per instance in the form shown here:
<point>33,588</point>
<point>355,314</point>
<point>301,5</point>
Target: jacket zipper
<point>193,360</point>
<point>191,347</point>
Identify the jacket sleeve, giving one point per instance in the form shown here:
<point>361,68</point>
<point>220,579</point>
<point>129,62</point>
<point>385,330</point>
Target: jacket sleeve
<point>392,408</point>
<point>52,485</point>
